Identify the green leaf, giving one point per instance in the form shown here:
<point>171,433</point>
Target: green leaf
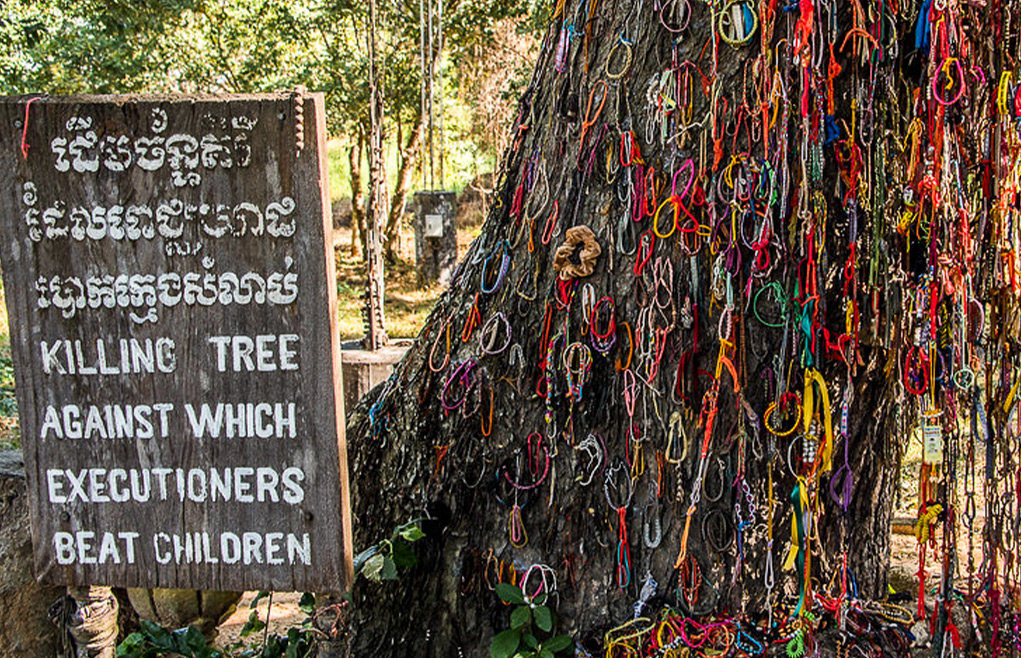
<point>258,597</point>
<point>410,532</point>
<point>132,646</point>
<point>540,599</point>
<point>253,625</point>
<point>299,643</point>
<point>505,644</point>
<point>194,639</point>
<point>521,617</point>
<point>292,643</point>
<point>307,604</point>
<point>402,554</point>
<point>558,643</point>
<point>363,557</point>
<point>545,653</point>
<point>274,647</point>
<point>373,568</point>
<point>389,571</point>
<point>531,640</point>
<point>158,635</point>
<point>543,618</point>
<point>509,594</point>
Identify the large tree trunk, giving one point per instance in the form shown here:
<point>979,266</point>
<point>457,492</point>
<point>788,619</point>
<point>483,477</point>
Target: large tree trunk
<point>661,392</point>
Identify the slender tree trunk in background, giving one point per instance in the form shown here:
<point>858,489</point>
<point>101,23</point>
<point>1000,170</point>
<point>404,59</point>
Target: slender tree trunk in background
<point>410,153</point>
<point>375,289</point>
<point>650,401</point>
<point>354,157</point>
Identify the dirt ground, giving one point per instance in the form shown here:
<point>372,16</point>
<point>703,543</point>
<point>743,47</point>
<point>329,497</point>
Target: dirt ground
<point>283,614</point>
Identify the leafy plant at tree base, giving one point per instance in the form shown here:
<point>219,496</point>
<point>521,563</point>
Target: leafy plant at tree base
<point>153,640</point>
<point>299,641</point>
<point>380,561</point>
<point>532,633</point>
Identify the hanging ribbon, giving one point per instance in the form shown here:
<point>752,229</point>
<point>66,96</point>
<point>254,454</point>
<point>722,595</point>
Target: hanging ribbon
<point>798,553</point>
<point>812,377</point>
<point>623,550</point>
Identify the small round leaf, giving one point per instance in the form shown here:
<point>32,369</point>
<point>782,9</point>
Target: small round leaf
<point>505,644</point>
<point>521,617</point>
<point>543,618</point>
<point>509,593</point>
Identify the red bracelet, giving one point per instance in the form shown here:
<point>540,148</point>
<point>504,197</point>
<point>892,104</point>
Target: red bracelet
<point>922,366</point>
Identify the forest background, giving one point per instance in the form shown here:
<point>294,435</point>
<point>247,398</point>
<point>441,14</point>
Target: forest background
<point>248,46</point>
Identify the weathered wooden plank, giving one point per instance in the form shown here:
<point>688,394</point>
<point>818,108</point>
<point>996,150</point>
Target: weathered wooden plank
<point>171,291</point>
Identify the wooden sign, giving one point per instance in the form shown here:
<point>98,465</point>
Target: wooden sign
<point>172,305</point>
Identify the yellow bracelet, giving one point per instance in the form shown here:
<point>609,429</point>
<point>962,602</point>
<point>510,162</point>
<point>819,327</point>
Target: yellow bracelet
<point>727,17</point>
<point>1001,96</point>
<point>628,56</point>
<point>769,411</point>
<point>675,202</point>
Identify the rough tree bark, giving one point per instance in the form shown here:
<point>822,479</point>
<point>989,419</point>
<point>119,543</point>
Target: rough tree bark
<point>354,158</point>
<point>375,288</point>
<point>413,459</point>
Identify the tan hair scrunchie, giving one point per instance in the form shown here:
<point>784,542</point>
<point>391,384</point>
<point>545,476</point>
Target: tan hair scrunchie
<point>572,266</point>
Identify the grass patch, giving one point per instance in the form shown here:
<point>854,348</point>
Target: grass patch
<point>407,305</point>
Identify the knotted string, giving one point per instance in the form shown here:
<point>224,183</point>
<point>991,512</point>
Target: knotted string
<point>623,550</point>
<point>516,528</point>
